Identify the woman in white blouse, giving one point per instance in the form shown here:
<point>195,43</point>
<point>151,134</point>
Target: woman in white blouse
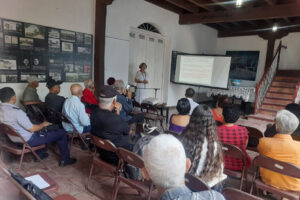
<point>141,78</point>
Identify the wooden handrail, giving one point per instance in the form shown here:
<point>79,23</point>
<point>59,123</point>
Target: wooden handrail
<point>266,72</point>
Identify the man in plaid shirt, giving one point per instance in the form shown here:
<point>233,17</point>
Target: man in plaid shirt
<point>235,135</point>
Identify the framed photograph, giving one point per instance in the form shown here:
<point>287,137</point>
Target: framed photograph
<point>56,61</point>
<point>87,39</point>
<point>243,64</point>
<point>67,47</point>
<point>53,33</point>
<point>83,76</point>
<point>35,31</point>
<point>84,50</point>
<point>26,43</point>
<point>38,62</point>
<point>68,36</point>
<point>13,27</point>
<point>54,45</point>
<point>87,69</point>
<point>69,67</point>
<point>78,68</point>
<point>25,75</point>
<point>71,77</point>
<point>8,78</point>
<point>8,64</point>
<point>56,74</point>
<point>24,62</point>
<point>79,38</point>
<point>11,41</point>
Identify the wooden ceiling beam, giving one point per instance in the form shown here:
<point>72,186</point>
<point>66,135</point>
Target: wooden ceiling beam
<point>243,14</point>
<point>221,4</point>
<point>252,23</point>
<point>183,4</point>
<point>166,5</point>
<point>271,2</point>
<point>201,4</point>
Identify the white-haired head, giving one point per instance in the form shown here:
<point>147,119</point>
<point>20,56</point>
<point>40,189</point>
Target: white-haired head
<point>165,161</point>
<point>32,79</point>
<point>88,83</point>
<point>119,86</point>
<point>286,122</point>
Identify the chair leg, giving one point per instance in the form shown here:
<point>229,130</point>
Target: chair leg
<point>91,172</point>
<point>116,189</point>
<point>71,143</point>
<point>35,154</point>
<point>85,144</point>
<point>150,192</point>
<point>22,157</point>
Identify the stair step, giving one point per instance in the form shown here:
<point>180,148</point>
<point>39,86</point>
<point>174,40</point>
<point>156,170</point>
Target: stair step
<point>267,112</point>
<point>276,101</point>
<point>282,90</point>
<point>263,117</point>
<point>272,107</point>
<point>286,78</point>
<point>284,84</point>
<point>280,95</point>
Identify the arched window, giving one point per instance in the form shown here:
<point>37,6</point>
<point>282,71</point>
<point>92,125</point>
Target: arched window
<point>148,27</point>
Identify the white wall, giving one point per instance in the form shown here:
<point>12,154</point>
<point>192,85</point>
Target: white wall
<point>121,15</point>
<point>289,58</point>
<point>245,43</point>
<point>75,15</point>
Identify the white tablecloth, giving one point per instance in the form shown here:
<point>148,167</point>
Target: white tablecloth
<point>245,93</point>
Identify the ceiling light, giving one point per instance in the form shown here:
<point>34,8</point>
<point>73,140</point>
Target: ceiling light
<point>274,28</point>
<point>239,3</point>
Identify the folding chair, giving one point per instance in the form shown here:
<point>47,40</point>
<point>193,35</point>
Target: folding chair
<point>236,152</point>
<point>108,146</point>
<point>254,136</point>
<point>235,194</point>
<point>75,133</point>
<point>152,113</point>
<point>280,167</point>
<point>195,184</point>
<point>128,157</point>
<point>14,149</point>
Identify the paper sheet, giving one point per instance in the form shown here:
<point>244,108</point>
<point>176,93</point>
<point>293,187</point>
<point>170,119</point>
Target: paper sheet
<point>38,181</point>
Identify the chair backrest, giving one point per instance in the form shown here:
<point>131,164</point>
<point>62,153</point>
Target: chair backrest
<point>234,151</point>
<point>195,184</point>
<point>254,132</point>
<point>235,194</point>
<point>9,131</point>
<point>63,118</point>
<point>104,144</point>
<point>284,168</point>
<point>130,158</point>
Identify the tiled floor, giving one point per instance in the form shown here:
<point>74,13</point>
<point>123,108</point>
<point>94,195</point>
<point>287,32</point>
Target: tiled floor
<point>72,179</point>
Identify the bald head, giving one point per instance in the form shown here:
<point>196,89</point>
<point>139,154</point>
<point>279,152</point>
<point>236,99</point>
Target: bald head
<point>76,90</point>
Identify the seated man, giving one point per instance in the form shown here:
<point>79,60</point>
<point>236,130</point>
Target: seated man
<point>74,110</point>
<point>18,120</point>
<point>235,135</point>
<point>30,92</point>
<point>166,165</point>
<point>88,97</point>
<point>124,98</point>
<point>53,100</point>
<point>107,123</point>
<point>189,94</point>
<point>283,148</point>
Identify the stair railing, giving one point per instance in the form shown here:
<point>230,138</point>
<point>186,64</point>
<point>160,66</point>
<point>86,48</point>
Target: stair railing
<point>266,80</point>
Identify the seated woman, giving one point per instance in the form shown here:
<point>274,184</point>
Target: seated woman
<point>217,112</point>
<point>293,108</point>
<point>235,135</point>
<point>179,121</point>
<point>88,98</point>
<point>200,141</point>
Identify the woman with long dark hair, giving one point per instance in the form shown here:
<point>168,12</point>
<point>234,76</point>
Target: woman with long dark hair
<point>201,143</point>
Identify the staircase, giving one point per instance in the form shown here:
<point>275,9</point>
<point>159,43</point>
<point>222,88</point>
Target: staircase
<point>280,93</point>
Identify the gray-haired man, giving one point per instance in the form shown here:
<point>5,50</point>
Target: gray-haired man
<point>30,92</point>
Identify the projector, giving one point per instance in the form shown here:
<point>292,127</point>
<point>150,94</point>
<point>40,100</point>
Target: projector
<point>151,101</point>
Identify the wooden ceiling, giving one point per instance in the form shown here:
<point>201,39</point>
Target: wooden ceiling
<point>254,17</point>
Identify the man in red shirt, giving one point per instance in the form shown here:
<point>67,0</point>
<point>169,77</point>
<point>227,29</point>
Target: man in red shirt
<point>235,135</point>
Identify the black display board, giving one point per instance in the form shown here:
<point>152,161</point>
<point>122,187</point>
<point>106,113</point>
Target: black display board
<point>30,49</point>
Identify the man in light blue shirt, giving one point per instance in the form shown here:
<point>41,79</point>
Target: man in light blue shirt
<point>74,110</point>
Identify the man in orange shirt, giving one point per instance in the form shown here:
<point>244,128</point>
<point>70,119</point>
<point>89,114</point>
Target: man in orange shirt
<point>283,148</point>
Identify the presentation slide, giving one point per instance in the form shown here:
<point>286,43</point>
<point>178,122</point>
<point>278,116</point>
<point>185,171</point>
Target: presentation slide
<point>211,71</point>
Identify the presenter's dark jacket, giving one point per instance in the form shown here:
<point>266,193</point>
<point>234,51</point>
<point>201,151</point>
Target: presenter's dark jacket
<point>55,102</point>
<point>110,126</point>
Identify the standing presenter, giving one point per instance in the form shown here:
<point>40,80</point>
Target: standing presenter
<point>141,78</point>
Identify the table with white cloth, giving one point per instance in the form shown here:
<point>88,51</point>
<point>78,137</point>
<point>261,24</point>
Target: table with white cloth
<point>247,94</point>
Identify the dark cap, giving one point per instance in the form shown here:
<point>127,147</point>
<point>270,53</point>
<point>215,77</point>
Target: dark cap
<point>107,92</point>
<point>51,83</point>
